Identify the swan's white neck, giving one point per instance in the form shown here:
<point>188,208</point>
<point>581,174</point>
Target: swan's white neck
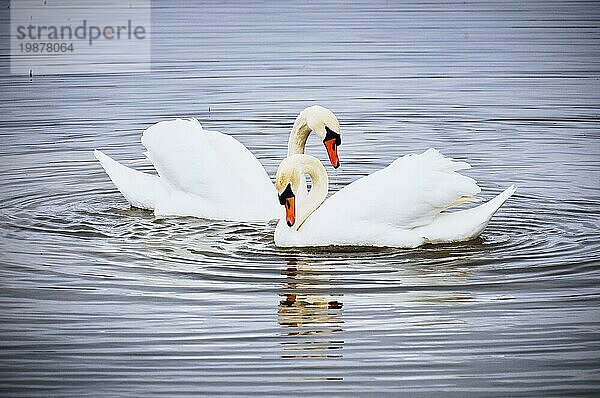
<point>320,186</point>
<point>299,135</point>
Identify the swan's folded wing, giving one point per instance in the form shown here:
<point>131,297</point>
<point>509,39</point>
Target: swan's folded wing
<point>408,193</point>
<point>209,164</point>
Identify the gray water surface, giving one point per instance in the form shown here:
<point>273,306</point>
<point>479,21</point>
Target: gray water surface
<point>101,299</point>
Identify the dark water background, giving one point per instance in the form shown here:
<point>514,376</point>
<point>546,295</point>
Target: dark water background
<point>102,299</point>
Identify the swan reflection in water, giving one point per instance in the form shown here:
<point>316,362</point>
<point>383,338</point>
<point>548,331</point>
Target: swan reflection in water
<point>312,319</point>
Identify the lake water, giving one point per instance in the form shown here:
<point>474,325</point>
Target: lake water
<point>102,299</point>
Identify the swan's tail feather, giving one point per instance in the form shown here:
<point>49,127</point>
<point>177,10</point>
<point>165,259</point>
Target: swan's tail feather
<point>465,224</point>
<point>140,189</point>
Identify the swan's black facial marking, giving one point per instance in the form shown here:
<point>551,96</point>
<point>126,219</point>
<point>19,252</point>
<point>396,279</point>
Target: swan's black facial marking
<point>286,194</point>
<point>332,141</point>
<point>288,199</point>
<point>331,135</point>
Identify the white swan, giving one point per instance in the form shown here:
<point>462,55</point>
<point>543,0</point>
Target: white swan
<point>209,174</point>
<point>401,205</point>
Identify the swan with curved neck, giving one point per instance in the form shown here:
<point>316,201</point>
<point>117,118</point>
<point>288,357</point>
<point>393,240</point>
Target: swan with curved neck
<point>288,182</point>
<point>203,173</point>
<point>324,124</point>
<point>402,205</point>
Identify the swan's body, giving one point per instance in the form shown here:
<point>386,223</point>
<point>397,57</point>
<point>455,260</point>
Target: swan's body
<point>209,174</point>
<point>402,205</point>
<point>202,173</point>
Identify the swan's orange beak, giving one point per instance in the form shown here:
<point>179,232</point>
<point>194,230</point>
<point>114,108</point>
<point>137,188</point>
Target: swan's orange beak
<point>290,211</point>
<point>331,146</point>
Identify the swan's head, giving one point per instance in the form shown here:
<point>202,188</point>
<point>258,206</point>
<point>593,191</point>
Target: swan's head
<point>324,123</point>
<point>287,183</point>
<point>290,180</point>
